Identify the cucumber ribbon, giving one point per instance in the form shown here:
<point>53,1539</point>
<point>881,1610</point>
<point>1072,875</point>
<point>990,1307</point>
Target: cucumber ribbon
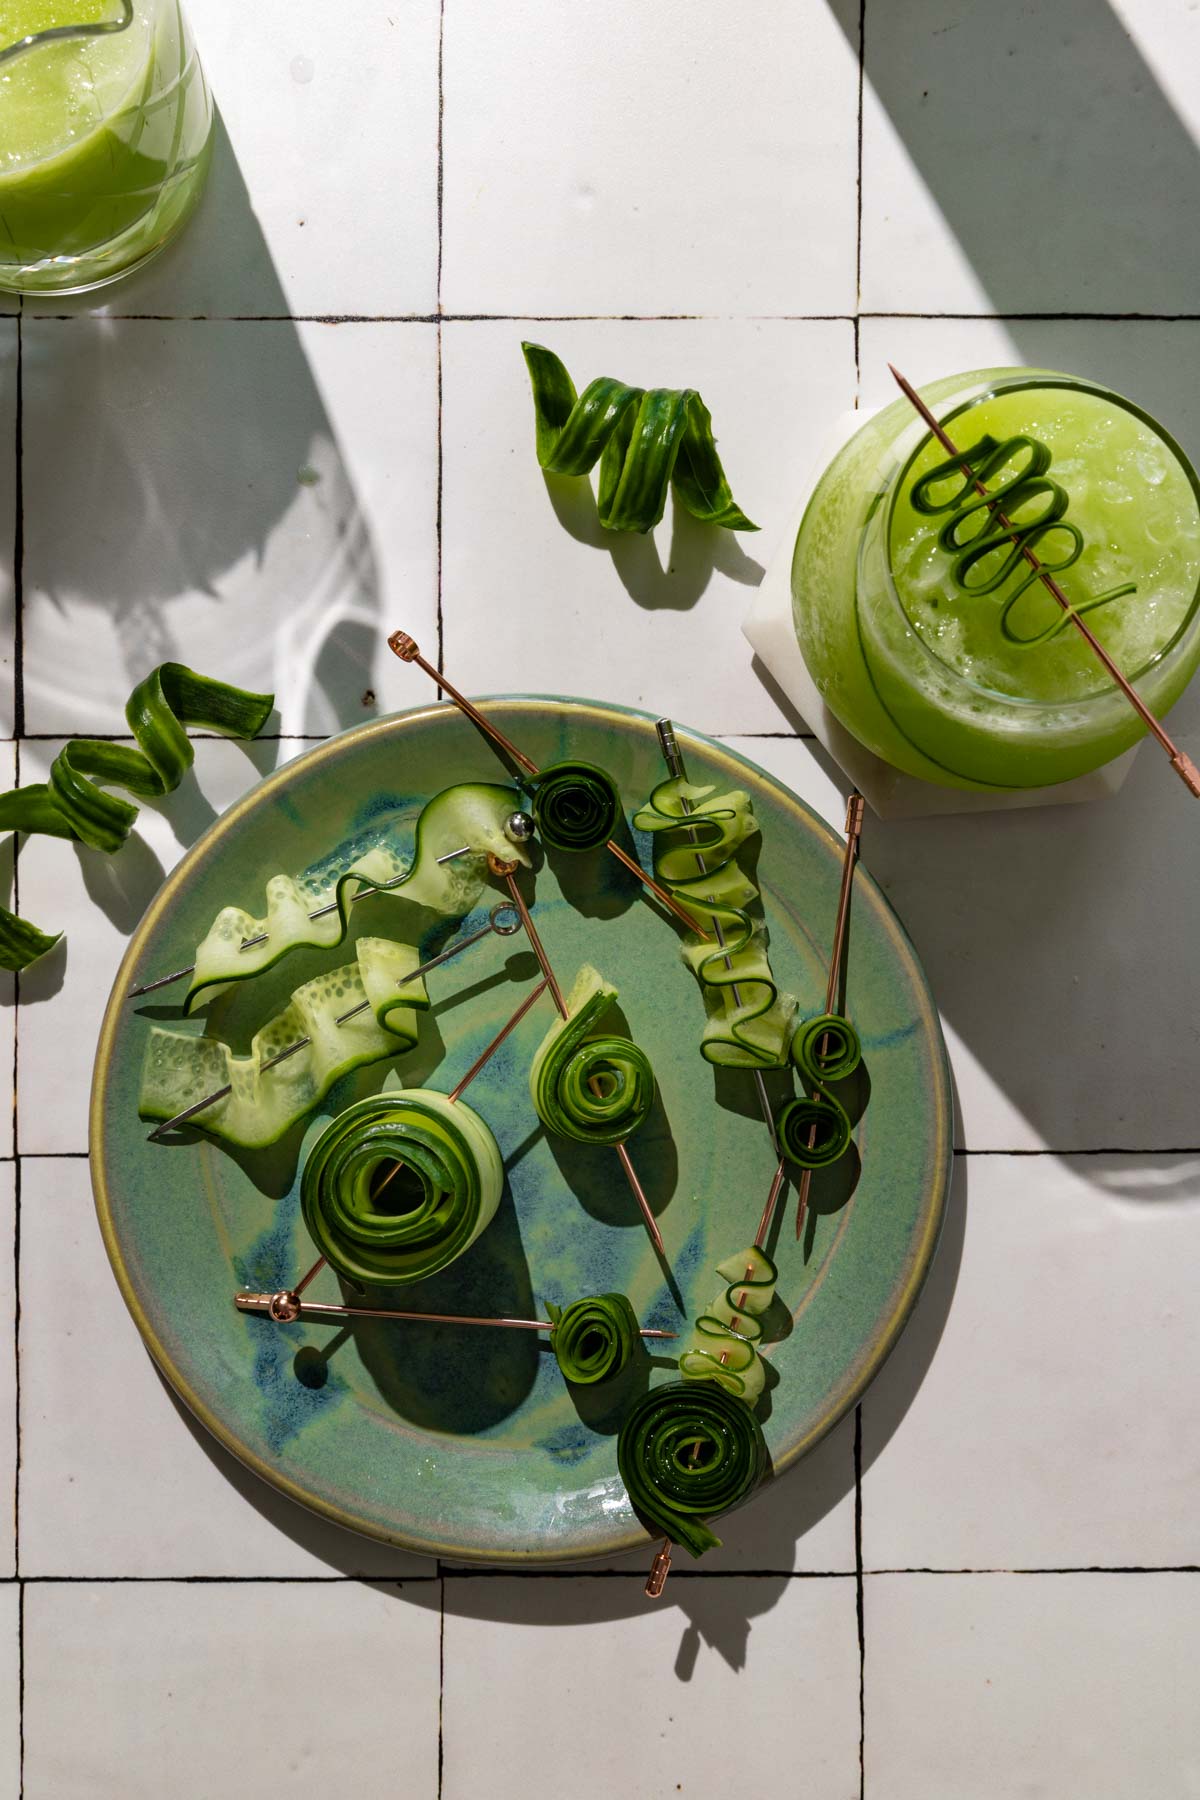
<point>569,1060</point>
<point>180,1068</point>
<point>593,1338</point>
<point>470,815</point>
<point>687,1451</point>
<point>644,438</point>
<point>72,804</point>
<point>748,1029</point>
<point>576,806</point>
<point>824,1049</point>
<point>724,1346</point>
<point>450,1185</point>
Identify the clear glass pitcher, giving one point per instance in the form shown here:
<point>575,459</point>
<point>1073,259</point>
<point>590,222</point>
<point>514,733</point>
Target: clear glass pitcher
<point>105,138</point>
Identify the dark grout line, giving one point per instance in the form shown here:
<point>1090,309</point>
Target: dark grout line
<point>858,199</point>
<point>1181,318</point>
<point>441,164</point>
<point>466,1573</point>
<point>860,1610</point>
<point>441,1755</point>
<point>629,318</point>
<point>21,1687</point>
<point>1066,1569</point>
<point>1099,1150</point>
<point>227,1580</point>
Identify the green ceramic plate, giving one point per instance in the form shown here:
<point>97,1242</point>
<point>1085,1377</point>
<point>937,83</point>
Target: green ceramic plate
<point>469,1443</point>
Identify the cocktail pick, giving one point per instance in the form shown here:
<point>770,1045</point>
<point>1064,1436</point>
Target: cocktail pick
<point>1182,764</point>
<point>286,1307</point>
<point>855,807</point>
<point>406,649</point>
<point>500,920</point>
<point>673,757</point>
<point>507,872</point>
<point>377,887</point>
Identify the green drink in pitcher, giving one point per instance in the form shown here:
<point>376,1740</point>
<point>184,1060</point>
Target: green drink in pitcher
<point>922,622</point>
<point>105,137</point>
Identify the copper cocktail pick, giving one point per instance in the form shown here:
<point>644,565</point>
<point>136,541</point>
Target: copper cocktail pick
<point>405,648</point>
<point>507,871</point>
<point>855,807</point>
<point>500,920</point>
<point>376,887</point>
<point>1182,764</point>
<point>286,1307</point>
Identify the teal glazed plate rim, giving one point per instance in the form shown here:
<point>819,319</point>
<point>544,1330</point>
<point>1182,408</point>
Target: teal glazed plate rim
<point>469,1444</point>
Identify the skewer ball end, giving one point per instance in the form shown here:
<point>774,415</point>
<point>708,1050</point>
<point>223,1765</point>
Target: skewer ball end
<point>660,1568</point>
<point>403,646</point>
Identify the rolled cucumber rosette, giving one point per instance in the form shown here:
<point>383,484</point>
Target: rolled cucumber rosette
<point>747,1029</point>
<point>686,1452</point>
<point>576,806</point>
<point>826,1048</point>
<point>399,1185</point>
<point>471,814</point>
<point>594,1089</point>
<point>820,1118</point>
<point>593,1338</point>
<point>180,1068</point>
<point>724,1346</point>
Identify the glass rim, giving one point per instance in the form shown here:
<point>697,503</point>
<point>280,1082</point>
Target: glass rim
<point>58,34</point>
<point>989,389</point>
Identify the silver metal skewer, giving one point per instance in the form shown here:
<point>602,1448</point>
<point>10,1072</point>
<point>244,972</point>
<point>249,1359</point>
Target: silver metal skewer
<point>263,1305</point>
<point>503,927</point>
<point>673,757</point>
<point>375,887</point>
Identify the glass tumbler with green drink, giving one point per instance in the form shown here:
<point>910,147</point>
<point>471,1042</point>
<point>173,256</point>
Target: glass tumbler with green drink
<point>105,138</point>
<point>918,607</point>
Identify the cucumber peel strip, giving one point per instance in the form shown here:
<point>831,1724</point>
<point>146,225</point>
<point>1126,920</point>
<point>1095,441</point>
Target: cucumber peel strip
<point>593,1338</point>
<point>569,1058</point>
<point>469,814</point>
<point>672,1488</point>
<point>724,1347</point>
<point>72,805</point>
<point>644,438</point>
<point>752,1033</point>
<point>445,1149</point>
<point>180,1068</point>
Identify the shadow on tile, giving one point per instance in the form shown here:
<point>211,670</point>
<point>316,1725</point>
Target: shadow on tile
<point>696,549</point>
<point>207,449</point>
<point>1049,206</point>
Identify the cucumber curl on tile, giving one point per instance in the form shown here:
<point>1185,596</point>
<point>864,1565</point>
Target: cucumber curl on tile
<point>645,440</point>
<point>74,802</point>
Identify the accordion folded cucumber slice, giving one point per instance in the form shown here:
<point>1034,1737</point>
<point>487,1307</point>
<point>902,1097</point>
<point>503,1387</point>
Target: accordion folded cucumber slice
<point>180,1068</point>
<point>725,1340</point>
<point>748,1028</point>
<point>471,814</point>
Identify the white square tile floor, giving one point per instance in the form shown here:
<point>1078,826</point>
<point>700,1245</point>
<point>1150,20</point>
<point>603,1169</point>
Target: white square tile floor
<point>309,423</point>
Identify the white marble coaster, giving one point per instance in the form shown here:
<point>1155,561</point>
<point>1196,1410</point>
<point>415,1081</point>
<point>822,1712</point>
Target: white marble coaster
<point>892,794</point>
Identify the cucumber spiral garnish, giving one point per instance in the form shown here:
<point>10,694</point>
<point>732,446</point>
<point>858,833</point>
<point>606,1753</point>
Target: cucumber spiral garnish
<point>593,1338</point>
<point>748,1017</point>
<point>824,1049</point>
<point>594,1089</point>
<point>724,1347</point>
<point>447,1189</point>
<point>73,804</point>
<point>991,552</point>
<point>576,806</point>
<point>686,1452</point>
<point>643,438</point>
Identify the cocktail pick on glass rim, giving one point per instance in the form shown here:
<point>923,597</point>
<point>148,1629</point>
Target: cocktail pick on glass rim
<point>507,871</point>
<point>377,887</point>
<point>501,920</point>
<point>855,807</point>
<point>406,649</point>
<point>1182,764</point>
